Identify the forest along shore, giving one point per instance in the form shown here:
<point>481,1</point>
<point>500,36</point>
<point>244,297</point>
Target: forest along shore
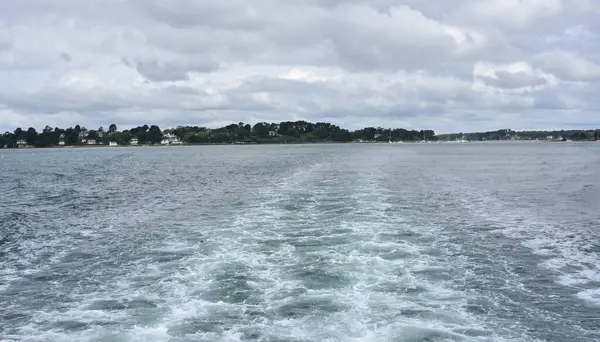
<point>283,132</point>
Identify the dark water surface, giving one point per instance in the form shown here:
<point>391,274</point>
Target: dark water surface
<point>401,242</point>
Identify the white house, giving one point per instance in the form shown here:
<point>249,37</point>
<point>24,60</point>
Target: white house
<point>175,141</point>
<point>273,133</point>
<point>112,143</point>
<point>134,141</point>
<point>91,142</point>
<point>21,143</point>
<point>170,139</point>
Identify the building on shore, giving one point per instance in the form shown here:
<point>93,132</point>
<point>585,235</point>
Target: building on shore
<point>170,139</point>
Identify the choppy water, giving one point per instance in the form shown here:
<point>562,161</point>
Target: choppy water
<point>490,242</point>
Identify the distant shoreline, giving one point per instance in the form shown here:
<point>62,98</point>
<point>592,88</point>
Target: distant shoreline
<point>441,142</point>
<point>187,145</point>
<point>285,132</point>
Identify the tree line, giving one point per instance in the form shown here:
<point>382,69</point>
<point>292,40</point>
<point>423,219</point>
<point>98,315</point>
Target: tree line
<point>294,131</point>
<point>262,132</point>
<point>508,134</point>
<point>79,135</point>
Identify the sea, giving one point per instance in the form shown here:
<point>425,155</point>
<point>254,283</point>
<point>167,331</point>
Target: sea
<point>322,242</point>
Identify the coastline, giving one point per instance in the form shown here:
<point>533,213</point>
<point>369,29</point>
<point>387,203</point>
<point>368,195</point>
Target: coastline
<point>187,145</point>
<point>449,142</point>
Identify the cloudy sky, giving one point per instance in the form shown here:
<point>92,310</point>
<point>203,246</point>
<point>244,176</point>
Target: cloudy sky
<point>461,65</point>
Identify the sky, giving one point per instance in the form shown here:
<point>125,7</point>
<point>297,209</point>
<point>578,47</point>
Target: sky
<point>451,66</point>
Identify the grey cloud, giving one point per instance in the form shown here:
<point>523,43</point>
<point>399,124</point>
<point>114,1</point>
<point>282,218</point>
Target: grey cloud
<point>5,46</point>
<point>550,103</point>
<point>155,72</point>
<point>173,71</point>
<point>279,85</point>
<point>185,90</point>
<point>361,50</point>
<point>5,40</point>
<point>512,16</point>
<point>65,57</point>
<point>52,101</point>
<point>169,98</point>
<point>570,66</point>
<point>344,99</point>
<point>508,80</point>
<point>236,14</point>
<point>396,38</point>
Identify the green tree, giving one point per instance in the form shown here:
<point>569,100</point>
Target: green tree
<point>242,133</point>
<point>581,136</point>
<point>155,135</point>
<point>31,136</point>
<point>261,129</point>
<point>221,137</point>
<point>141,133</point>
<point>124,138</point>
<point>321,132</point>
<point>47,138</point>
<point>342,135</point>
<point>19,134</point>
<point>6,140</point>
<point>289,131</point>
<point>92,134</point>
<point>71,136</point>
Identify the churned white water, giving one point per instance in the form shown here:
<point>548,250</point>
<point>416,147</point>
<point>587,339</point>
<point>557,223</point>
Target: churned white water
<point>353,242</point>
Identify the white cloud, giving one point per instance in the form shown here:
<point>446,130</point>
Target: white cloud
<point>570,66</point>
<point>462,65</point>
<point>303,75</point>
<point>513,14</point>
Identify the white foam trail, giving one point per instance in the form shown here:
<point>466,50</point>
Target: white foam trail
<point>569,253</point>
<point>590,296</point>
<point>330,253</point>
